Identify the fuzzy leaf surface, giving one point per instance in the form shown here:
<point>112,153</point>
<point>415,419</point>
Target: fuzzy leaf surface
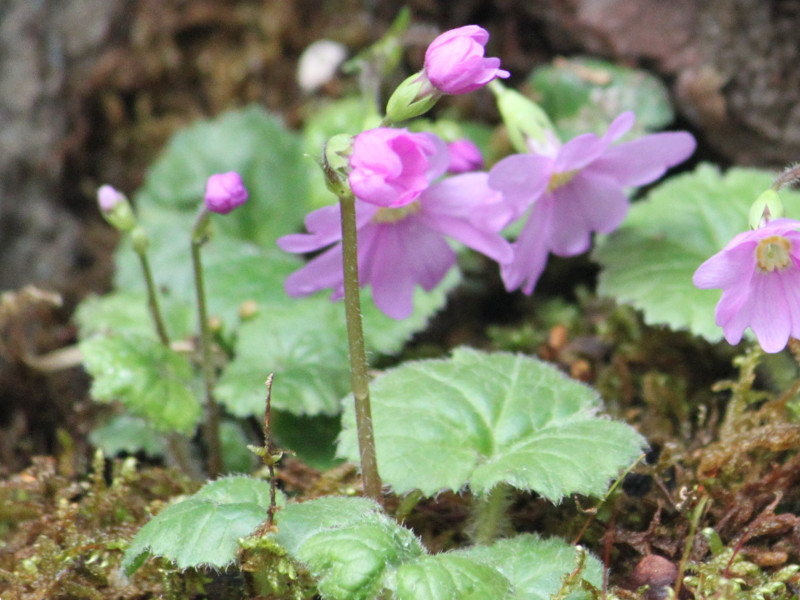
<point>649,262</point>
<point>535,566</point>
<point>153,382</point>
<point>304,342</point>
<point>480,419</point>
<point>348,544</point>
<point>127,312</point>
<point>204,529</point>
<point>449,575</point>
<point>234,270</point>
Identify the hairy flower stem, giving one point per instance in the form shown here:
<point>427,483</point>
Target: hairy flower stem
<point>152,299</point>
<point>491,514</point>
<point>359,380</point>
<point>211,423</point>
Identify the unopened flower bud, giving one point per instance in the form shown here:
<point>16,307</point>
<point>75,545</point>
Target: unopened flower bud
<point>225,192</point>
<point>455,62</point>
<point>392,167</point>
<point>465,157</point>
<point>214,324</point>
<point>115,208</point>
<point>248,309</point>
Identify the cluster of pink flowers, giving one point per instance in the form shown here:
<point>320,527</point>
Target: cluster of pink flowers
<point>405,210</point>
<point>403,221</point>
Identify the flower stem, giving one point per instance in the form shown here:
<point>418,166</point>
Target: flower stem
<point>211,424</point>
<point>359,379</point>
<point>490,514</point>
<point>152,299</point>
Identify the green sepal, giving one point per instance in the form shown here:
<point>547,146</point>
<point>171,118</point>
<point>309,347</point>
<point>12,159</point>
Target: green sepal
<point>522,117</point>
<point>412,98</point>
<point>767,206</point>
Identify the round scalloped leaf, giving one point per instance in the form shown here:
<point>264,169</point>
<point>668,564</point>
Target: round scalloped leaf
<point>124,433</point>
<point>585,94</point>
<point>127,312</point>
<point>536,567</point>
<point>204,529</point>
<point>234,270</point>
<point>348,544</point>
<point>254,144</point>
<point>304,342</point>
<point>649,261</point>
<point>448,576</point>
<point>306,351</point>
<point>152,381</point>
<point>481,419</point>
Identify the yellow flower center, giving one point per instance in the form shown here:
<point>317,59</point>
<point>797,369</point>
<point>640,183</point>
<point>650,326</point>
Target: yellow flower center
<point>559,179</point>
<point>393,215</point>
<point>773,253</point>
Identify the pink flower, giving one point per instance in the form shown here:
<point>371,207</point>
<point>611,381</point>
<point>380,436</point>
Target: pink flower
<point>759,273</point>
<point>225,192</point>
<point>399,248</point>
<point>108,197</point>
<point>465,156</point>
<point>455,62</point>
<point>576,189</point>
<point>391,167</point>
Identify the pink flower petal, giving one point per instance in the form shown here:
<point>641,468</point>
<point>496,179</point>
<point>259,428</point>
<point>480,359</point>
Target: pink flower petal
<point>769,312</point>
<point>644,160</point>
<point>322,272</point>
<point>425,258</point>
<point>726,268</point>
<point>581,207</point>
<point>584,149</point>
<point>521,178</point>
<point>530,249</point>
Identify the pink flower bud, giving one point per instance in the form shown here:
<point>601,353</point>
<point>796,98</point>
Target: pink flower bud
<point>464,157</point>
<point>455,62</point>
<point>224,192</point>
<point>391,167</point>
<point>108,197</point>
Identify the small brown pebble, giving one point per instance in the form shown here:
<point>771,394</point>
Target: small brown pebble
<point>581,370</point>
<point>657,573</point>
<point>558,337</point>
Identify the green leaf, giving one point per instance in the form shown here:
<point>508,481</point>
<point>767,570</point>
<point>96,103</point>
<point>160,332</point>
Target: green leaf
<point>250,142</point>
<point>312,439</point>
<point>124,433</point>
<point>234,271</point>
<point>347,543</point>
<point>152,381</point>
<point>127,312</point>
<point>236,457</point>
<point>448,576</point>
<point>482,419</point>
<point>204,529</point>
<point>650,260</point>
<point>536,567</point>
<point>305,350</point>
<point>304,342</point>
<point>582,95</point>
